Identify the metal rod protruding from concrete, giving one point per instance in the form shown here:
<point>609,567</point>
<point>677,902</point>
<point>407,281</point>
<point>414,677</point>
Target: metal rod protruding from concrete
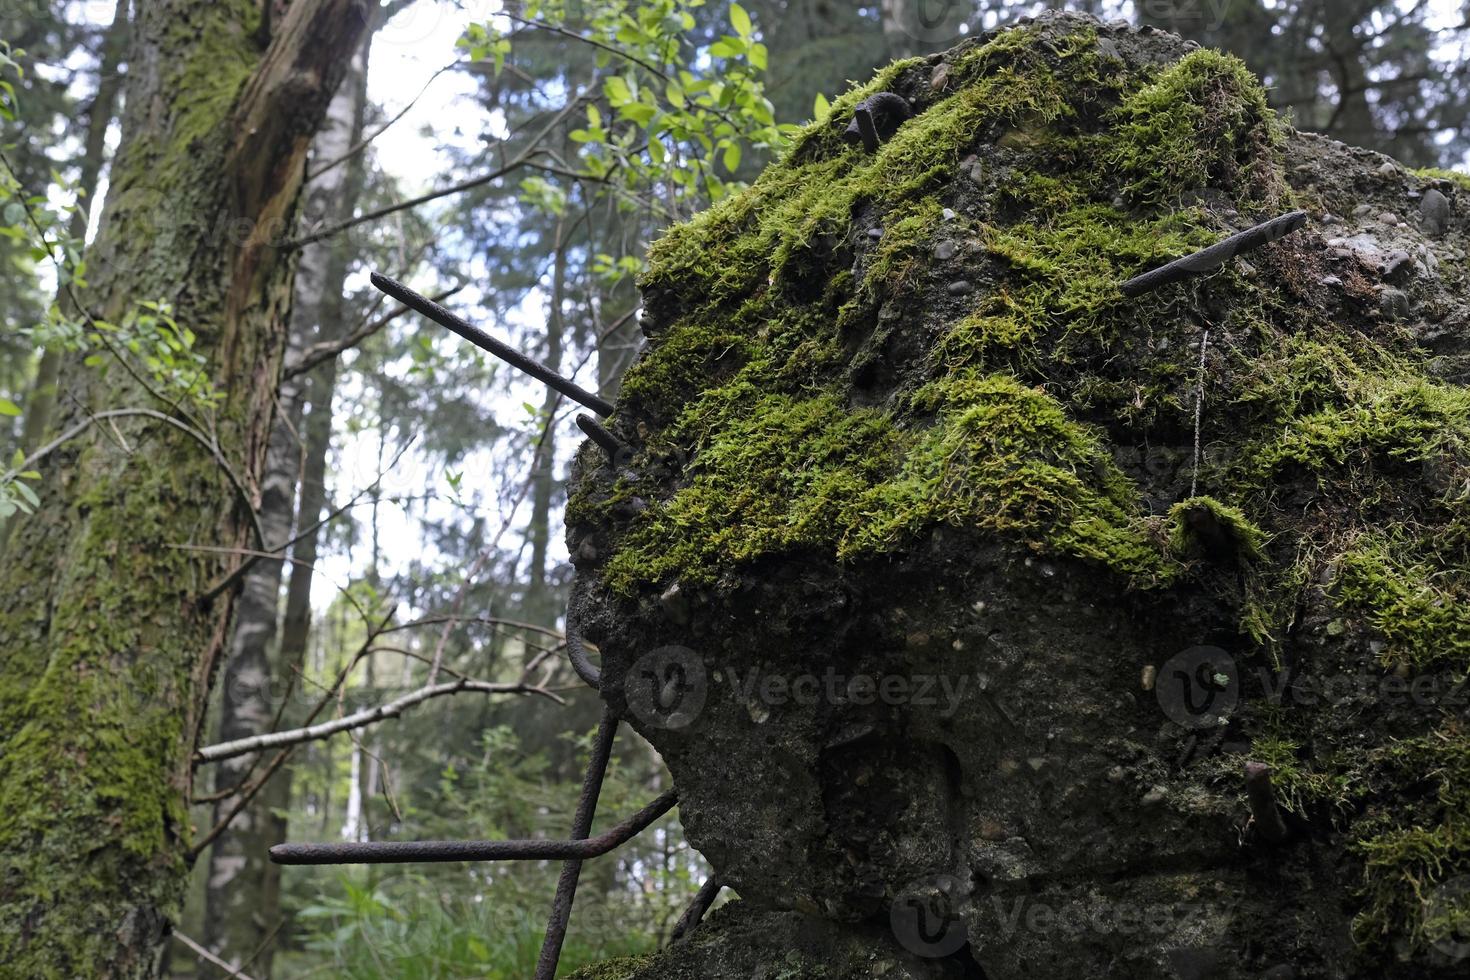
<point>703,899</point>
<point>401,852</point>
<point>598,433</point>
<point>571,870</point>
<point>482,340</point>
<point>576,651</point>
<point>866,128</point>
<point>1262,797</point>
<point>1215,257</point>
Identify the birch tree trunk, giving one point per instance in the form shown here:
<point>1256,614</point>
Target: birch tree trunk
<point>110,646</point>
<point>234,924</point>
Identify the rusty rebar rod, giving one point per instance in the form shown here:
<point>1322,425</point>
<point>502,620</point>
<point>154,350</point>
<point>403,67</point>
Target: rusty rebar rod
<point>571,871</point>
<point>1262,798</point>
<point>589,672</point>
<point>703,899</point>
<point>598,433</point>
<point>1215,257</point>
<point>863,116</point>
<point>482,340</point>
<point>400,852</point>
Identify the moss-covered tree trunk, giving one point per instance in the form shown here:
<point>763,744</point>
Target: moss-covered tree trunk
<point>109,642</point>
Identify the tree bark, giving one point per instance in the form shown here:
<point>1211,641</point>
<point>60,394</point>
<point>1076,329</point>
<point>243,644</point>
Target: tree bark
<point>235,922</point>
<point>109,651</point>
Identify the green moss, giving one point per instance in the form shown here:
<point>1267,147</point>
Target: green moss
<point>1202,525</point>
<point>1413,849</point>
<point>1204,123</point>
<point>1435,173</point>
<point>619,969</point>
<point>1420,606</point>
<point>777,474</point>
<point>1019,408</point>
<point>1300,786</point>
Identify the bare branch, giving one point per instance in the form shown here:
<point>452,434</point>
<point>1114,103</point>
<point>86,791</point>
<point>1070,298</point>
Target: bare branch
<point>318,353</point>
<point>363,143</point>
<point>359,719</point>
<point>210,958</point>
<point>532,150</point>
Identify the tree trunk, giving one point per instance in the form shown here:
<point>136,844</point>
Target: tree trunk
<point>543,466</point>
<point>102,610</point>
<point>42,398</point>
<point>234,924</point>
<point>317,433</point>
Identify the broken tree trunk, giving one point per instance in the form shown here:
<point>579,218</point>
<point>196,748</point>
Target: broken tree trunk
<point>110,643</point>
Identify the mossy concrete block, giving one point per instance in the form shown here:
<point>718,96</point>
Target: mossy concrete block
<point>927,540</point>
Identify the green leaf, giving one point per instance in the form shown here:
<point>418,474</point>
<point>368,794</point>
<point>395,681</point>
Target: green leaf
<point>8,407</point>
<point>30,475</point>
<point>617,91</point>
<point>18,460</point>
<point>639,112</point>
<point>758,55</point>
<point>26,494</point>
<point>740,20</point>
<point>732,157</point>
<point>822,109</point>
<point>727,47</point>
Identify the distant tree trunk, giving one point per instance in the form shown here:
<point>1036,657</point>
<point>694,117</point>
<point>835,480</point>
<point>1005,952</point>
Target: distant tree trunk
<point>543,466</point>
<point>1352,120</point>
<point>317,433</point>
<point>42,399</point>
<point>110,648</point>
<point>233,923</point>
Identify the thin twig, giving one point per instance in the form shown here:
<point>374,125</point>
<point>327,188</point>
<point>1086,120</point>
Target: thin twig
<point>279,552</point>
<point>327,350</point>
<point>531,151</point>
<point>76,430</point>
<point>209,957</point>
<point>363,143</point>
<point>249,793</point>
<point>1199,406</point>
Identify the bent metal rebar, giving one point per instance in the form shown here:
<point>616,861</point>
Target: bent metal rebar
<point>580,845</point>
